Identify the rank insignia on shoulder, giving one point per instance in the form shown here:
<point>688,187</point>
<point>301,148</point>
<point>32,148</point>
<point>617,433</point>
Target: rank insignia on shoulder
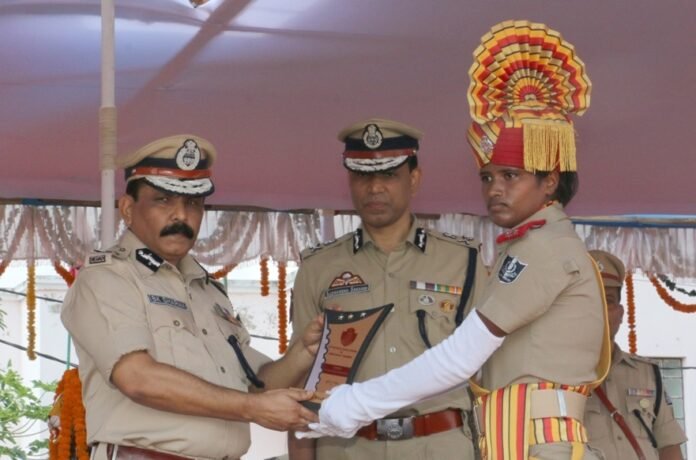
<point>467,240</point>
<point>149,259</point>
<point>357,240</point>
<point>346,283</point>
<point>103,258</point>
<point>421,239</point>
<point>167,301</point>
<point>511,269</point>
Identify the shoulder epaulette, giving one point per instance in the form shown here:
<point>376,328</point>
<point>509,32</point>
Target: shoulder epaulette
<point>461,240</point>
<point>312,250</point>
<point>643,359</point>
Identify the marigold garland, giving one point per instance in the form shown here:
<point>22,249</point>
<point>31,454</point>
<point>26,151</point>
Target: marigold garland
<point>64,273</point>
<point>632,334</point>
<point>673,286</point>
<point>31,309</point>
<point>71,437</point>
<point>669,300</point>
<point>223,271</point>
<point>265,285</point>
<point>282,309</point>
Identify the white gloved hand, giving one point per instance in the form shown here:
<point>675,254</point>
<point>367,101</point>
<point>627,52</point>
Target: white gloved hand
<point>437,370</point>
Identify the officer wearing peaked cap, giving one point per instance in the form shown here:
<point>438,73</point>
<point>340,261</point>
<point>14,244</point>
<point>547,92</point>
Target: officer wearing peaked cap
<point>165,364</point>
<point>431,279</point>
<point>537,333</point>
<point>630,415</point>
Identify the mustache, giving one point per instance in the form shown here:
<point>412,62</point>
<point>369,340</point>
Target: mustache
<point>178,228</point>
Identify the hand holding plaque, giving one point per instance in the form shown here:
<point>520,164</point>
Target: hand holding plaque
<point>344,342</point>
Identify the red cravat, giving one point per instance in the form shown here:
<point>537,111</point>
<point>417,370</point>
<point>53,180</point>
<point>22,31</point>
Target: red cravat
<point>520,231</point>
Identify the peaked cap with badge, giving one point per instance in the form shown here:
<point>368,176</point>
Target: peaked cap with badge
<point>610,267</point>
<point>177,164</point>
<point>525,82</point>
<point>378,144</point>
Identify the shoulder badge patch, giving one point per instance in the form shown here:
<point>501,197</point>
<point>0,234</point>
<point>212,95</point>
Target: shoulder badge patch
<point>149,259</point>
<point>510,270</point>
<point>102,258</point>
<point>346,283</point>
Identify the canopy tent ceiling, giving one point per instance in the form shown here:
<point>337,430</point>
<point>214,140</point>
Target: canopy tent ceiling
<point>270,82</point>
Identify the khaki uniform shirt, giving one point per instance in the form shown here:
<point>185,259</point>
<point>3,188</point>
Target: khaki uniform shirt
<point>631,386</point>
<point>129,299</point>
<point>377,278</point>
<point>544,292</point>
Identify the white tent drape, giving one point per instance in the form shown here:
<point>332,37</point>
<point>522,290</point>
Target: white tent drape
<point>69,233</point>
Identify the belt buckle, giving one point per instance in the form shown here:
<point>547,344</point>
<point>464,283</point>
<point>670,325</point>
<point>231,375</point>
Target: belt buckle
<point>394,429</point>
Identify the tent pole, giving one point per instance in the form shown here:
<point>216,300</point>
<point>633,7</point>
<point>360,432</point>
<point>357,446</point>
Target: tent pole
<point>107,124</point>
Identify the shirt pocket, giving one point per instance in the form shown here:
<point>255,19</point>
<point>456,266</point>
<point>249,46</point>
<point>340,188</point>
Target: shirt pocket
<point>635,406</point>
<point>434,313</point>
<point>177,344</point>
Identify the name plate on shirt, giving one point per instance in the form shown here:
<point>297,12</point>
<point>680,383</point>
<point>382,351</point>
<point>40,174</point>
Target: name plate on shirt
<point>344,342</point>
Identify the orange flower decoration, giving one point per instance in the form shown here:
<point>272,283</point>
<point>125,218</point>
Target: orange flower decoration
<point>31,309</point>
<point>669,300</point>
<point>223,271</point>
<point>64,273</point>
<point>265,284</point>
<point>632,334</point>
<point>282,309</point>
<point>71,436</point>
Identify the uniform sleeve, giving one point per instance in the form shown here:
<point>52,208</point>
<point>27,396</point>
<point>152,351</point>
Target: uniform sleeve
<point>666,428</point>
<point>105,315</point>
<point>305,302</point>
<point>479,281</point>
<point>536,276</point>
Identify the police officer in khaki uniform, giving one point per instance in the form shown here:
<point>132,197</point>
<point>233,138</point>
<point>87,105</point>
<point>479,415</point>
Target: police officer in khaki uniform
<point>165,363</point>
<point>644,426</point>
<point>538,333</point>
<point>430,277</point>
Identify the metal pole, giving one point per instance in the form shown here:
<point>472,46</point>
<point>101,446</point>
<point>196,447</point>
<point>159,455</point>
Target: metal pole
<point>107,124</point>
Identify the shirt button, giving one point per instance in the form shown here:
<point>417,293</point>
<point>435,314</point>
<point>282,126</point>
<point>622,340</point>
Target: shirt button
<point>391,275</point>
<point>392,349</point>
<point>177,323</point>
<point>205,332</point>
<point>619,438</point>
<point>222,369</point>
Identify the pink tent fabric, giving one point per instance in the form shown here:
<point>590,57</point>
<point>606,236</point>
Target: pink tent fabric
<point>271,82</point>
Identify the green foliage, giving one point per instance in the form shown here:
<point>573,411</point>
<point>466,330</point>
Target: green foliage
<point>20,409</point>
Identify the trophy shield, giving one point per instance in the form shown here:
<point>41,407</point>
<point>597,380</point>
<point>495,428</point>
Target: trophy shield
<point>344,341</point>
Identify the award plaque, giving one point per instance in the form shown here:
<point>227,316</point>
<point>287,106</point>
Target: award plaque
<point>344,341</point>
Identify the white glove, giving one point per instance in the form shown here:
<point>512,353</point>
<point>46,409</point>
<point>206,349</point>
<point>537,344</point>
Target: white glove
<point>448,364</point>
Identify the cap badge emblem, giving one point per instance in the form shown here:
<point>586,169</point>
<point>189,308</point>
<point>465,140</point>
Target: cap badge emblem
<point>487,145</point>
<point>188,156</point>
<point>372,136</point>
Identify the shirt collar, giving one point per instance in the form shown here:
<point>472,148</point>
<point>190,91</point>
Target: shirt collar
<point>551,214</point>
<point>416,237</point>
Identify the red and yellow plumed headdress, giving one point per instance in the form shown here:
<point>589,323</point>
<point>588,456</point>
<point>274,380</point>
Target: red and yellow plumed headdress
<point>525,81</point>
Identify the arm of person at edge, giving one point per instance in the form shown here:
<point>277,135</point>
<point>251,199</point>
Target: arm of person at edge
<point>671,452</point>
<point>438,369</point>
<point>292,368</point>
